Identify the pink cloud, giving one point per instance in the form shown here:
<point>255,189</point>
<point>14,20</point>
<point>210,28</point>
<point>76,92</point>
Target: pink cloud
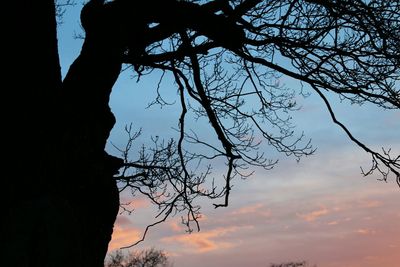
<point>131,203</point>
<point>204,241</point>
<point>365,231</point>
<point>123,221</point>
<point>370,203</point>
<point>123,237</point>
<point>256,209</point>
<point>312,216</point>
<point>178,226</point>
<point>354,225</point>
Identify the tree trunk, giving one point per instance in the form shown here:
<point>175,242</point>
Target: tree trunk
<point>59,196</point>
<point>88,120</point>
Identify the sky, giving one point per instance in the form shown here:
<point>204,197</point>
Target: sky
<point>320,209</point>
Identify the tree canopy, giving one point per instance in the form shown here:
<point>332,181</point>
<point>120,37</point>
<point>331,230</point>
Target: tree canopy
<point>225,58</point>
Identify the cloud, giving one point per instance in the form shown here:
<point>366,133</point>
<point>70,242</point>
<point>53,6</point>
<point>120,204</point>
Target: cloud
<point>123,221</point>
<point>330,216</point>
<point>176,226</point>
<point>255,209</point>
<point>370,203</point>
<point>365,231</point>
<point>312,216</point>
<point>131,203</point>
<point>123,236</point>
<point>204,241</point>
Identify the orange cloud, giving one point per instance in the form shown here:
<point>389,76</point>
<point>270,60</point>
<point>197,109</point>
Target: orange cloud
<point>178,226</point>
<point>257,208</point>
<point>123,237</point>
<point>312,216</point>
<point>132,203</point>
<point>203,241</point>
<point>365,231</point>
<point>123,221</point>
<point>370,203</point>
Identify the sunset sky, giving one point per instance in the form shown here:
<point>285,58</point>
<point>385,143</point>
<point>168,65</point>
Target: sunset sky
<point>321,209</point>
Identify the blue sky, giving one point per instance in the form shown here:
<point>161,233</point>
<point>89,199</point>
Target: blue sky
<point>320,209</point>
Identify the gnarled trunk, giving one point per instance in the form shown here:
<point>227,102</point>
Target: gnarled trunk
<point>88,120</point>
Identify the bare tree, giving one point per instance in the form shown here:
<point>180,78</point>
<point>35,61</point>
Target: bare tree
<point>292,264</point>
<point>224,57</point>
<point>145,258</point>
<point>344,48</point>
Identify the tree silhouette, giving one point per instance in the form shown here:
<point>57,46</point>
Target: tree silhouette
<point>145,258</point>
<point>291,264</point>
<point>224,57</point>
